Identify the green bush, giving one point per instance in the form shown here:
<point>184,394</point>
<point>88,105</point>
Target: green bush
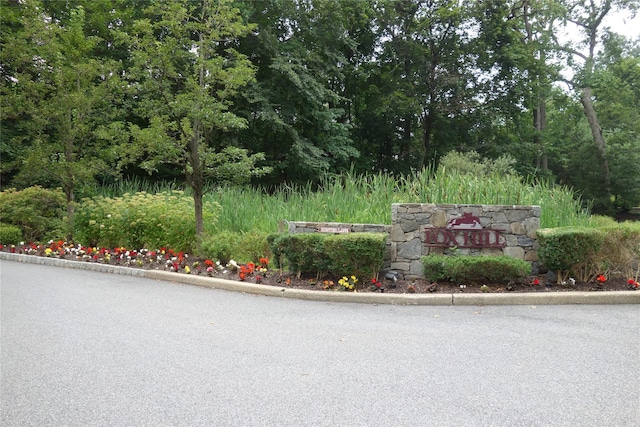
<point>141,220</point>
<point>570,249</point>
<point>304,252</point>
<point>242,247</point>
<point>359,254</point>
<point>218,246</point>
<point>475,269</point>
<point>10,234</point>
<point>252,246</point>
<point>39,212</point>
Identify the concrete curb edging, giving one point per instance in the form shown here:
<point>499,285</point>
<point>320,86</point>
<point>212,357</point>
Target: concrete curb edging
<point>548,298</point>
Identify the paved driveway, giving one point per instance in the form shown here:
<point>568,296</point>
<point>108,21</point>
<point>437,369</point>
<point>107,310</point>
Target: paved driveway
<point>82,348</point>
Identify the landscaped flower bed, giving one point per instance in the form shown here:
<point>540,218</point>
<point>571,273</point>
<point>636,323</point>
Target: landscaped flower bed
<point>169,260</point>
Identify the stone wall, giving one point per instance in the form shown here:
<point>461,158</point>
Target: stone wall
<point>413,225</point>
<point>314,227</point>
<point>417,230</point>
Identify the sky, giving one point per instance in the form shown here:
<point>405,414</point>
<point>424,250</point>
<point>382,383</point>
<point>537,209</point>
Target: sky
<point>622,24</point>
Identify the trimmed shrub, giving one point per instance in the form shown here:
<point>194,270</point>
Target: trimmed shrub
<point>39,212</point>
<point>475,269</point>
<point>571,250</point>
<point>10,234</point>
<point>303,253</point>
<point>359,254</point>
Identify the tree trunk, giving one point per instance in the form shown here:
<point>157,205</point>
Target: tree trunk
<point>196,177</point>
<point>539,123</point>
<point>197,204</point>
<point>598,139</point>
<point>427,131</point>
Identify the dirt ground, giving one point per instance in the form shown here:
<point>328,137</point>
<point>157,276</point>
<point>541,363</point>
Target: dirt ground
<point>422,286</point>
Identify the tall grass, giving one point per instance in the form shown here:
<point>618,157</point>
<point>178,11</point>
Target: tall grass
<point>367,199</point>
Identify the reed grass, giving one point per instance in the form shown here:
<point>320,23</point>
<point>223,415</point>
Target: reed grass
<point>367,199</point>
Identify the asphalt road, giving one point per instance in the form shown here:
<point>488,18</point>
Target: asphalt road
<point>82,348</point>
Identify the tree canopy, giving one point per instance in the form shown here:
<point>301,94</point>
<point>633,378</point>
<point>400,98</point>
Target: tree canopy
<point>288,91</point>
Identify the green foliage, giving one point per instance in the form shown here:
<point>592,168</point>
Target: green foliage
<point>303,252</point>
<point>141,220</point>
<point>10,234</point>
<point>219,246</point>
<point>584,253</point>
<point>360,254</point>
<point>295,110</point>
<point>252,246</point>
<point>562,248</point>
<point>235,166</point>
<point>570,249</point>
<point>195,73</point>
<point>472,163</point>
<point>241,247</point>
<point>39,212</point>
<point>475,269</point>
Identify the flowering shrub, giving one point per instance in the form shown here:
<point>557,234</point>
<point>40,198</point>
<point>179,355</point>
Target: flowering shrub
<point>141,220</point>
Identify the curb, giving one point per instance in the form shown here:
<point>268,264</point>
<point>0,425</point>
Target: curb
<point>550,298</point>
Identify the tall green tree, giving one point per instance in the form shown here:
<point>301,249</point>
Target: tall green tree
<point>516,58</point>
<point>296,109</point>
<point>61,92</point>
<point>186,71</point>
<point>425,75</point>
<point>587,16</point>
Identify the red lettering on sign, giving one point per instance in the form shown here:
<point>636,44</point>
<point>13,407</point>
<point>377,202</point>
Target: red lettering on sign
<point>464,238</point>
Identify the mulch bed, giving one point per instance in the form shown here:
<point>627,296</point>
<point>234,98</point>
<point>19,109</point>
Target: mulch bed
<point>331,284</point>
<point>422,286</point>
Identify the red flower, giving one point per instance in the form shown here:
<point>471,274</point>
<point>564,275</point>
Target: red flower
<point>536,282</point>
<point>601,279</point>
<point>208,263</point>
<point>633,283</point>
